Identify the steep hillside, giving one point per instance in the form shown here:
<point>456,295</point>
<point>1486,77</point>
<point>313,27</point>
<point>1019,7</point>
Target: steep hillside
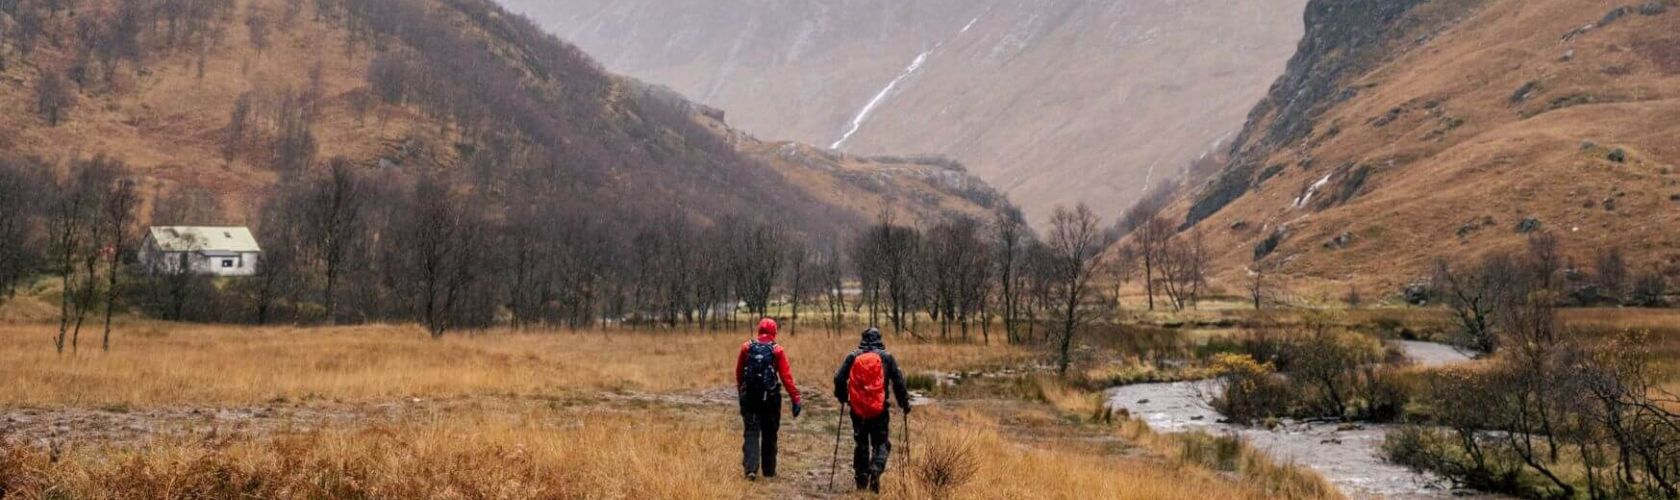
<point>1406,131</point>
<point>1050,101</point>
<point>229,96</point>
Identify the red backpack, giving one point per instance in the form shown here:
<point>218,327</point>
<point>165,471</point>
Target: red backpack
<point>866,386</point>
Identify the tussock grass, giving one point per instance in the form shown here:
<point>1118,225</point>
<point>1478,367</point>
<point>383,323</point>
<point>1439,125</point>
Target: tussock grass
<point>161,364</point>
<point>653,456</point>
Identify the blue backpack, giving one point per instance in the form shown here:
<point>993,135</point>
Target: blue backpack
<point>759,379</point>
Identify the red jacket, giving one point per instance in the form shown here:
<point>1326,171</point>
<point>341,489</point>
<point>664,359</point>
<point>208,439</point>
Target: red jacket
<point>767,334</point>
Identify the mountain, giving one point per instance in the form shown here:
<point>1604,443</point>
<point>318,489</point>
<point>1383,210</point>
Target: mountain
<point>229,98</point>
<point>1407,131</point>
<point>1052,101</point>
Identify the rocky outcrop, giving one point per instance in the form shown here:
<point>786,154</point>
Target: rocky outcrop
<point>1344,38</point>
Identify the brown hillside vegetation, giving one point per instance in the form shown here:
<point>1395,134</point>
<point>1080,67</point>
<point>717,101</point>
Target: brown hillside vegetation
<point>1408,131</point>
<point>231,96</point>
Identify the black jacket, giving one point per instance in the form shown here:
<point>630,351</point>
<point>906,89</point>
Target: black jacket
<point>895,378</point>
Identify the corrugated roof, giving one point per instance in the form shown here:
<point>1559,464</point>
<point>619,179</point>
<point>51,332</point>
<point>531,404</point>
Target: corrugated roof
<point>204,238</point>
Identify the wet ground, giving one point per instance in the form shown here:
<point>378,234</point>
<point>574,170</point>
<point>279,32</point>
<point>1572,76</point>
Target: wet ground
<point>1349,456</point>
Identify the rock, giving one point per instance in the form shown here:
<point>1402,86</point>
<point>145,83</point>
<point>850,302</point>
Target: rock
<point>1610,204</point>
<point>1617,155</point>
<point>1528,225</point>
<point>1588,145</point>
<point>1652,8</point>
<point>1268,245</point>
<point>1572,34</point>
<point>1614,15</point>
<point>1340,241</point>
<point>1143,401</point>
<point>1197,417</point>
<point>1568,55</point>
<point>1526,90</point>
<point>1239,225</point>
<point>1674,197</point>
<point>1416,293</point>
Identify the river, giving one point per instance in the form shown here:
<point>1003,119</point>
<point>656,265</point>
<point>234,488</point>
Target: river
<point>1350,457</point>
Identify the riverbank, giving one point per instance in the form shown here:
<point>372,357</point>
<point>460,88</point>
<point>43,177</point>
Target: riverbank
<point>1348,455</point>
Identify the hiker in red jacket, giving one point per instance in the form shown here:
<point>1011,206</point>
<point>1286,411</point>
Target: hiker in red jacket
<point>862,382</point>
<point>761,371</point>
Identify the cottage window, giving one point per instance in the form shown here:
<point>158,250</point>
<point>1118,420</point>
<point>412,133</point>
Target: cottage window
<point>227,262</point>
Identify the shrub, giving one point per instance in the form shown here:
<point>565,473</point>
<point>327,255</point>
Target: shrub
<point>1251,390</point>
<point>945,464</point>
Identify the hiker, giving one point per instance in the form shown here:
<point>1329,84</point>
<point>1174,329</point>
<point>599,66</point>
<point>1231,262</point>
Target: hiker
<point>761,371</point>
<point>862,382</point>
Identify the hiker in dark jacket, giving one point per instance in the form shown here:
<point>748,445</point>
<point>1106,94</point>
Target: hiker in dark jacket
<point>761,372</point>
<point>862,382</point>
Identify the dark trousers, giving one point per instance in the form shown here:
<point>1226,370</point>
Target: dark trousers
<point>869,455</point>
<point>762,419</point>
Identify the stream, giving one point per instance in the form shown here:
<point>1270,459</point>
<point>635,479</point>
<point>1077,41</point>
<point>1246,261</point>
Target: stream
<point>1349,456</point>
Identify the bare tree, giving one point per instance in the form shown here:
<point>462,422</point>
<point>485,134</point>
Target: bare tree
<point>54,97</point>
<point>1473,292</point>
<point>1183,266</point>
<point>833,283</point>
<point>436,242</point>
<point>238,126</point>
<point>1011,239</point>
<point>1076,247</point>
<point>1152,241</point>
<point>334,223</point>
<point>1610,269</point>
<point>1259,284</point>
<point>76,230</point>
<point>25,191</point>
<point>120,206</point>
<point>798,264</point>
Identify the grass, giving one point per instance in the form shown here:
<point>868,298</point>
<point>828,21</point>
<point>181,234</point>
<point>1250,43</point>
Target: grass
<point>154,364</point>
<point>604,414</point>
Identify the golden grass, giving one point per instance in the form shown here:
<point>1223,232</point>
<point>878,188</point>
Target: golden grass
<point>649,455</point>
<point>561,434</point>
<point>154,364</point>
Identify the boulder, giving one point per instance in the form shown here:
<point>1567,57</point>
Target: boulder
<point>1340,241</point>
<point>1416,293</point>
<point>1652,8</point>
<point>1617,155</point>
<point>1614,15</point>
<point>1528,225</point>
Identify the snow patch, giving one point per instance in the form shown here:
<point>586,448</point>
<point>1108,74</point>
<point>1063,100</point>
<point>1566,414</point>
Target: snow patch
<point>969,25</point>
<point>1311,190</point>
<point>863,114</point>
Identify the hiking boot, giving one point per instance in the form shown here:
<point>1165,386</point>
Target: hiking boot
<point>752,476</point>
<point>862,481</point>
<point>874,482</point>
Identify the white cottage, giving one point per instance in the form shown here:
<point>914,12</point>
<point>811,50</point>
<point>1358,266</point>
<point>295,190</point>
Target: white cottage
<point>220,251</point>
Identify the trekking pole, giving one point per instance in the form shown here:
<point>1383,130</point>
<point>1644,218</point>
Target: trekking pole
<point>906,436</point>
<point>834,463</point>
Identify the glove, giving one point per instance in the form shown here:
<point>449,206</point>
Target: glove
<point>797,408</point>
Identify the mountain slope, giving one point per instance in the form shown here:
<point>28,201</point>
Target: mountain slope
<point>229,97</point>
<point>1409,131</point>
<point>1052,102</point>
